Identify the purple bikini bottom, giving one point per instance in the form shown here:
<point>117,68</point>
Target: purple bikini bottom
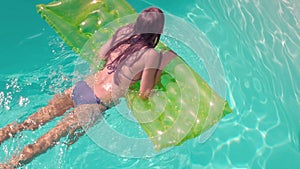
<point>83,94</point>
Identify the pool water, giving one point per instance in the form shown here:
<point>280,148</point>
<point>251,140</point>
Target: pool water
<point>257,42</point>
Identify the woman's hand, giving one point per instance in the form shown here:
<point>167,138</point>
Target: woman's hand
<point>145,95</point>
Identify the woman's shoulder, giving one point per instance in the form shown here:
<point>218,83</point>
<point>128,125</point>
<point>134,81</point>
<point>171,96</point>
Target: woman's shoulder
<point>164,55</point>
<point>152,52</point>
<point>156,59</point>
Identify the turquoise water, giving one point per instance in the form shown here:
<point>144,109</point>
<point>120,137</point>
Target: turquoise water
<point>257,42</point>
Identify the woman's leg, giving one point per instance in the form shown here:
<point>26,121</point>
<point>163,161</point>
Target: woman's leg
<point>82,117</point>
<point>57,106</point>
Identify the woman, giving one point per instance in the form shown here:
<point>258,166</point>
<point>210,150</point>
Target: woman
<point>129,57</point>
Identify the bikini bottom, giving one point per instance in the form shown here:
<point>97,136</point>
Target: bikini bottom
<point>83,94</point>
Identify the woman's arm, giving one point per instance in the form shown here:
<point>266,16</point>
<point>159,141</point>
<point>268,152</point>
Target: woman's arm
<point>149,79</point>
<point>151,72</point>
<point>104,49</point>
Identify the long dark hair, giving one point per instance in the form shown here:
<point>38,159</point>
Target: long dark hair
<point>147,30</point>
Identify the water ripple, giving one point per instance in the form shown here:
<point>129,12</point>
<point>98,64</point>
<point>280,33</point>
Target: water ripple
<point>260,47</point>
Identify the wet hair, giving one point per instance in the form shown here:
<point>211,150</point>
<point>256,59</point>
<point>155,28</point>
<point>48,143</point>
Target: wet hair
<point>147,31</point>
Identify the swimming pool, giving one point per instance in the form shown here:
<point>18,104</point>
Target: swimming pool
<point>257,43</point>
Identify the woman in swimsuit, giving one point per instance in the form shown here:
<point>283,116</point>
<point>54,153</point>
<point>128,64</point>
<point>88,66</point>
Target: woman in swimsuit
<point>129,57</point>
